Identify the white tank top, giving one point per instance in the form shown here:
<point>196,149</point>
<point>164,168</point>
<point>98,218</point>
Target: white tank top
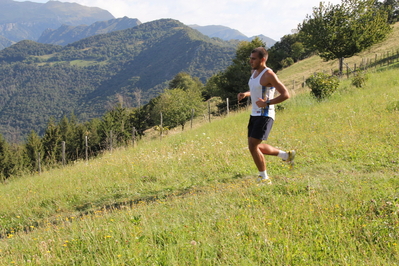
<point>259,91</point>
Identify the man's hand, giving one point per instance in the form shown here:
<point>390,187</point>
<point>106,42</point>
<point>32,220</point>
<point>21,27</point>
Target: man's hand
<point>261,102</point>
<point>241,95</point>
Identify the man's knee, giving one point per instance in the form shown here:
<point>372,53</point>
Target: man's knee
<point>253,144</point>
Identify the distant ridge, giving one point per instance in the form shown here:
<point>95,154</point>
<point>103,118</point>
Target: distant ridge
<point>68,34</point>
<point>4,42</point>
<point>27,20</point>
<point>227,34</point>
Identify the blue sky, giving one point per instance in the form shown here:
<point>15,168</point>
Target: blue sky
<point>270,18</point>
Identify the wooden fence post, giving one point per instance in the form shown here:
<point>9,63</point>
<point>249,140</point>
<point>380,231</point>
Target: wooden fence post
<point>209,111</point>
<point>192,117</point>
<point>110,140</point>
<point>39,163</point>
<point>228,108</point>
<point>134,136</point>
<point>86,149</point>
<point>63,153</point>
<point>161,129</point>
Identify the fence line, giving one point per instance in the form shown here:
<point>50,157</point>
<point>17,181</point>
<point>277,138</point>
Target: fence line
<point>386,58</point>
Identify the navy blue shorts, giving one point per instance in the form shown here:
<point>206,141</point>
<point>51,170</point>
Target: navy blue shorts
<point>259,127</point>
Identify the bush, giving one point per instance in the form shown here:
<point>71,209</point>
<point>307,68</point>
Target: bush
<point>287,62</point>
<point>359,79</point>
<point>322,85</point>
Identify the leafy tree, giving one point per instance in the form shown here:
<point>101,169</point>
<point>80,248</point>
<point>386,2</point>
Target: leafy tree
<point>52,143</point>
<point>184,81</point>
<point>33,147</point>
<point>290,46</point>
<point>392,7</point>
<point>7,163</point>
<point>177,103</point>
<point>341,31</point>
<point>117,121</point>
<point>177,106</point>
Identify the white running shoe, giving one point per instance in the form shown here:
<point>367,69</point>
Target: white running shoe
<point>291,157</point>
<point>263,181</point>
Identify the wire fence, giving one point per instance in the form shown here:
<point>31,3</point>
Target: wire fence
<point>384,59</point>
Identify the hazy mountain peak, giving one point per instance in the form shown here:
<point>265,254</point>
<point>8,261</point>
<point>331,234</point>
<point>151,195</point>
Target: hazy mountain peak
<point>226,33</point>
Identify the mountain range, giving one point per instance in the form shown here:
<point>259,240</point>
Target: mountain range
<point>62,23</point>
<point>87,77</point>
<point>27,20</point>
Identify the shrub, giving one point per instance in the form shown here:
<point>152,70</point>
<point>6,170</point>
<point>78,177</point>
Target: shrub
<point>359,79</point>
<point>287,62</point>
<point>322,85</point>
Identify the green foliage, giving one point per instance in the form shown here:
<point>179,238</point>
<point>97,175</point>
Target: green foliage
<point>341,31</point>
<point>322,85</point>
<point>234,79</point>
<point>392,7</point>
<point>33,150</point>
<point>287,62</point>
<point>290,46</point>
<point>7,163</point>
<point>184,81</point>
<point>52,143</point>
<point>24,49</point>
<point>178,103</point>
<point>359,79</point>
<point>39,81</point>
<point>115,127</point>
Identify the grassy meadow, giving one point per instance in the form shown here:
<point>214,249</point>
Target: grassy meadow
<point>192,199</point>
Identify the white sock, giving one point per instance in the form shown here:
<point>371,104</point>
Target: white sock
<point>263,175</point>
<point>283,155</point>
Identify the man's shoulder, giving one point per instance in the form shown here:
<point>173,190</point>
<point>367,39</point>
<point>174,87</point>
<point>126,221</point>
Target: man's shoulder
<point>269,73</point>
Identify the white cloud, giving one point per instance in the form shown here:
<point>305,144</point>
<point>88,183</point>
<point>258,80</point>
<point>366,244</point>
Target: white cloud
<point>271,18</point>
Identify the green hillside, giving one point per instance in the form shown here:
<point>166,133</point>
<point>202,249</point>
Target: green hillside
<point>307,67</point>
<point>39,81</point>
<point>192,198</point>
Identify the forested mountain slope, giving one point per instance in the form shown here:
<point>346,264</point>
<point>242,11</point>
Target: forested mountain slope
<point>39,81</point>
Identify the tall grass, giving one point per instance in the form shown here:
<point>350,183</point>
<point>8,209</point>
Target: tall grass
<point>192,199</point>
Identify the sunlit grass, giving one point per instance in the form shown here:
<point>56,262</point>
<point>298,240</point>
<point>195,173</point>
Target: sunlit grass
<point>192,199</point>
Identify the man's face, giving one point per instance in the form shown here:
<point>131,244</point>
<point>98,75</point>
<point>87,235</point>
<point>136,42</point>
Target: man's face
<point>254,61</point>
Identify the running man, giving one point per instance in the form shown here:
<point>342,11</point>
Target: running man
<point>262,86</point>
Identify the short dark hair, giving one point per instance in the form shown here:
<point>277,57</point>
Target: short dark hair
<point>262,52</point>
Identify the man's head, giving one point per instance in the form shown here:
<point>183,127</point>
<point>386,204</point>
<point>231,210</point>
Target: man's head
<point>261,51</point>
<point>258,57</point>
